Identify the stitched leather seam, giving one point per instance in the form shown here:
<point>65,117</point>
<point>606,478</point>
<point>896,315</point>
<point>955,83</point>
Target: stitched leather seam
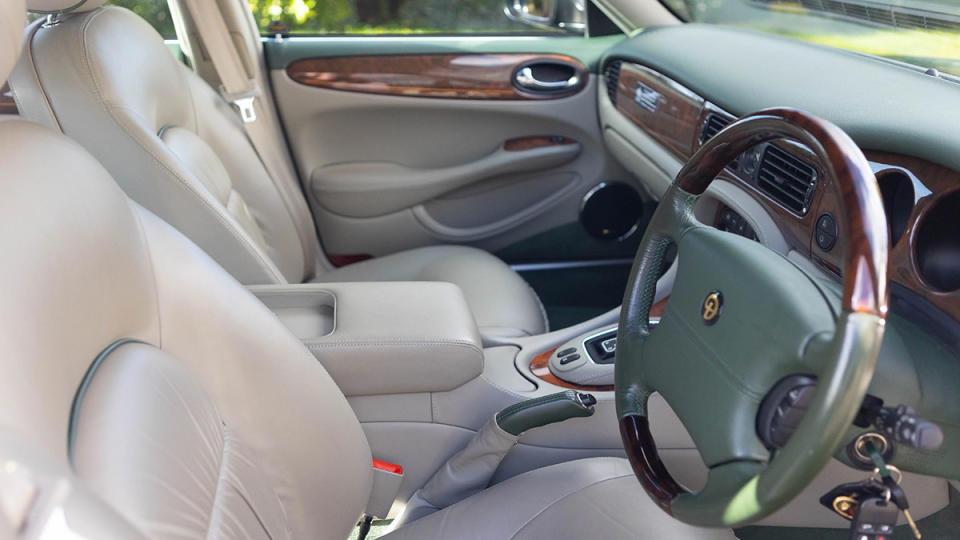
<point>135,209</point>
<point>31,64</point>
<point>245,242</point>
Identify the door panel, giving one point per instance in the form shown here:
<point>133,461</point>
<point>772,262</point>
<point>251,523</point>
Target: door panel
<point>418,140</point>
<point>450,76</point>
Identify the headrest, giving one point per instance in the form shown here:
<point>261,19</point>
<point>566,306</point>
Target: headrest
<point>63,6</point>
<point>13,18</point>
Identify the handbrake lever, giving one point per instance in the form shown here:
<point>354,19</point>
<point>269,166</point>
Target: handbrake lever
<point>469,471</point>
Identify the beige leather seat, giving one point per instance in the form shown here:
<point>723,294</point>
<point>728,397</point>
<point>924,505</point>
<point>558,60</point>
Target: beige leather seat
<point>105,77</point>
<point>168,394</point>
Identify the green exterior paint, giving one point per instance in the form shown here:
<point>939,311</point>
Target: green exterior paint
<point>587,50</point>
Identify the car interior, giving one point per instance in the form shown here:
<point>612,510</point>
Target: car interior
<point>584,269</point>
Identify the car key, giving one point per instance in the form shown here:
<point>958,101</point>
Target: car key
<point>889,476</point>
<point>874,520</point>
<point>899,498</point>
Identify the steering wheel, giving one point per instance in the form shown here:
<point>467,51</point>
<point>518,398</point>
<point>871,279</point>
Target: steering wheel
<point>742,317</point>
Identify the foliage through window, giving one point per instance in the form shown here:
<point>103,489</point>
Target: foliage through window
<point>388,16</point>
<point>154,12</point>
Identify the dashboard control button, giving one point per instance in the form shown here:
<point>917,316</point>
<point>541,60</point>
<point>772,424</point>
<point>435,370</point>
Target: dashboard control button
<point>569,358</point>
<point>569,350</point>
<point>826,233</point>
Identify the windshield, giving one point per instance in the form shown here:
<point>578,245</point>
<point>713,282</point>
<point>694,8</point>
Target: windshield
<point>925,33</point>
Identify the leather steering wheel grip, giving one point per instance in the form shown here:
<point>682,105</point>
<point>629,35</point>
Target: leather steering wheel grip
<point>743,491</point>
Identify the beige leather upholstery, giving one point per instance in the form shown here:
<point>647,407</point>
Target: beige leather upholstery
<point>390,338</point>
<point>501,301</point>
<point>176,147</point>
<point>223,423</point>
<point>592,498</point>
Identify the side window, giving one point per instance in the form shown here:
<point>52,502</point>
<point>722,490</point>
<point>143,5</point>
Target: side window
<point>371,17</point>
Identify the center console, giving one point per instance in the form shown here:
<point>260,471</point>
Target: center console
<point>383,338</point>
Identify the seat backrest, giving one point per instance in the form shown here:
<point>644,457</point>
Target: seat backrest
<point>133,359</point>
<point>174,145</point>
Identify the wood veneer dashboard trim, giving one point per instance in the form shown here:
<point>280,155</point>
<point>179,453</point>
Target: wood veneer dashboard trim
<point>451,76</point>
<point>677,130</point>
<point>798,231</point>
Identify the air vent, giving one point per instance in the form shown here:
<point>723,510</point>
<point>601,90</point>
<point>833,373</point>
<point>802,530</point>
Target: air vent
<point>712,126</point>
<point>786,179</point>
<point>612,76</point>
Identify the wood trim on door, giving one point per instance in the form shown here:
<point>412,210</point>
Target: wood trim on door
<point>451,76</point>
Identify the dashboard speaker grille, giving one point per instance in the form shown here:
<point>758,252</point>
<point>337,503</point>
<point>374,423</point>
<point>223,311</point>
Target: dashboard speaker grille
<point>786,179</point>
<point>612,76</point>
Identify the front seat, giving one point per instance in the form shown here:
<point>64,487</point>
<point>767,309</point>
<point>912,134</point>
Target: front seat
<point>106,79</point>
<point>172,395</point>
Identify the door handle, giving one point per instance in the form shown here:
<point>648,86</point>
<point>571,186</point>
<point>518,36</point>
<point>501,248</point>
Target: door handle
<point>525,79</point>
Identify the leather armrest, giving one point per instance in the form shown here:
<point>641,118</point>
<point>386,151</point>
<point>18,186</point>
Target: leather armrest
<point>387,337</point>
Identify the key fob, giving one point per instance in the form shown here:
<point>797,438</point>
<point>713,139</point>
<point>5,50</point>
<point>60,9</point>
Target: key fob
<point>874,519</point>
<point>845,498</point>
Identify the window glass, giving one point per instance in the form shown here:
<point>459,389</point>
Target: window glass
<point>925,33</point>
<point>154,12</point>
<point>388,17</point>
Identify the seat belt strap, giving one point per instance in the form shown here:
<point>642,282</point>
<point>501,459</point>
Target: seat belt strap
<point>237,86</point>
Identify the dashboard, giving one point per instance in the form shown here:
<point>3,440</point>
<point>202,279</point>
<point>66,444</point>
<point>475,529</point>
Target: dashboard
<point>921,199</point>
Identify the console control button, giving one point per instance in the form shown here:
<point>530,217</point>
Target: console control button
<point>568,350</point>
<point>569,358</point>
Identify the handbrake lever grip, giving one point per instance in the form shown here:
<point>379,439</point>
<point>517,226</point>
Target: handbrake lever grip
<point>541,411</point>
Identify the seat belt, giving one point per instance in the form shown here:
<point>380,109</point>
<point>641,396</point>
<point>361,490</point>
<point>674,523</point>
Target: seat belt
<point>241,90</point>
<point>236,86</point>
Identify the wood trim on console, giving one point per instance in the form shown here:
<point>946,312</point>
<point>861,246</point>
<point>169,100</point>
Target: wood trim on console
<point>540,366</point>
<point>452,76</point>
